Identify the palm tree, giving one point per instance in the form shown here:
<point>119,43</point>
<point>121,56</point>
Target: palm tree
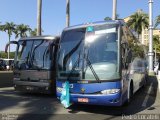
<point>21,30</point>
<point>156,43</point>
<point>138,22</point>
<point>34,32</point>
<point>157,21</point>
<point>114,10</point>
<point>107,18</point>
<point>67,13</point>
<point>10,29</point>
<point>39,13</point>
<point>1,27</point>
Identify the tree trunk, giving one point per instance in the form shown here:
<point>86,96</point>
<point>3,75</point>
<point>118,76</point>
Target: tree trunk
<point>114,10</point>
<point>9,47</point>
<point>67,13</point>
<point>39,13</point>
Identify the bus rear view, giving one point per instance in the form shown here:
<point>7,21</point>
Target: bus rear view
<point>34,65</point>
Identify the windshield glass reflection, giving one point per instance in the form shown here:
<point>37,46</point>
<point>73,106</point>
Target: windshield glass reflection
<point>34,54</point>
<point>89,53</point>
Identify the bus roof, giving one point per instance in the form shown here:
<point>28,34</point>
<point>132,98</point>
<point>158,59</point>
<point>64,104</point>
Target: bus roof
<point>95,23</point>
<point>48,37</point>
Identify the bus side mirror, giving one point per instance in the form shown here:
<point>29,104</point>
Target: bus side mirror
<point>7,45</point>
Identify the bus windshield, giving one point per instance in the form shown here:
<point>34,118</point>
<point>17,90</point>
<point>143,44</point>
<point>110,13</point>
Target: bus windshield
<point>33,54</point>
<point>89,55</point>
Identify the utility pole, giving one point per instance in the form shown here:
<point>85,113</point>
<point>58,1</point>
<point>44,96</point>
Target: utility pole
<point>150,53</point>
<point>114,10</point>
<point>67,13</point>
<point>39,14</point>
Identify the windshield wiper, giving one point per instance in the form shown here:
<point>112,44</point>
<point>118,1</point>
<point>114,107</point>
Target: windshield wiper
<point>92,69</point>
<point>74,66</point>
<point>90,66</point>
<point>67,56</point>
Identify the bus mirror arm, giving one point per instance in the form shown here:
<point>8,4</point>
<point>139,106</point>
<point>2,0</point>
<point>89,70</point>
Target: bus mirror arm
<point>7,45</point>
<point>51,49</point>
<point>6,48</point>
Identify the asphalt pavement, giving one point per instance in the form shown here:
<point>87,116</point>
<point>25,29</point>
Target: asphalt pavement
<point>6,79</point>
<point>24,106</point>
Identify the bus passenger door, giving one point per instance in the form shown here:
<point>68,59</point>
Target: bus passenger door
<point>137,73</point>
<point>143,73</point>
<point>125,66</point>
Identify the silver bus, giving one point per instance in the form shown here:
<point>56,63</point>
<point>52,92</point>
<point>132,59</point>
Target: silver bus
<point>34,64</point>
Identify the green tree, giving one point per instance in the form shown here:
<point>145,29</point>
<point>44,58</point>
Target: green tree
<point>138,21</point>
<point>33,32</point>
<point>156,43</point>
<point>4,55</point>
<point>21,30</point>
<point>107,18</point>
<point>1,27</point>
<point>10,29</point>
<point>157,21</point>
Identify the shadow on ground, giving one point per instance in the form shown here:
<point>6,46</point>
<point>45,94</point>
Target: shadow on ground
<point>133,108</point>
<point>6,79</point>
<point>45,107</point>
<point>32,106</point>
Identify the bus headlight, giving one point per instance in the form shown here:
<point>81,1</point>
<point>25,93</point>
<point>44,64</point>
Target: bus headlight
<point>110,91</point>
<point>59,89</point>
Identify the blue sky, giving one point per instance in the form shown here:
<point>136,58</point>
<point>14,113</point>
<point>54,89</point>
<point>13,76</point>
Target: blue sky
<point>53,14</point>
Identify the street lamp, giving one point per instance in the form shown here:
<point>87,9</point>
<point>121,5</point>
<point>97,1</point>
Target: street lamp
<point>150,52</point>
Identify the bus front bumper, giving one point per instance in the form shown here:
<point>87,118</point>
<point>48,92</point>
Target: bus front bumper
<point>107,100</point>
<point>33,87</point>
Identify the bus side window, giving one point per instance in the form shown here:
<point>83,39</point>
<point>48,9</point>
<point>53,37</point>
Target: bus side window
<point>125,55</point>
<point>123,48</point>
<point>128,57</point>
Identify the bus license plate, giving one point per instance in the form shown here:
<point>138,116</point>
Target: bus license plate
<point>29,88</point>
<point>84,100</point>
